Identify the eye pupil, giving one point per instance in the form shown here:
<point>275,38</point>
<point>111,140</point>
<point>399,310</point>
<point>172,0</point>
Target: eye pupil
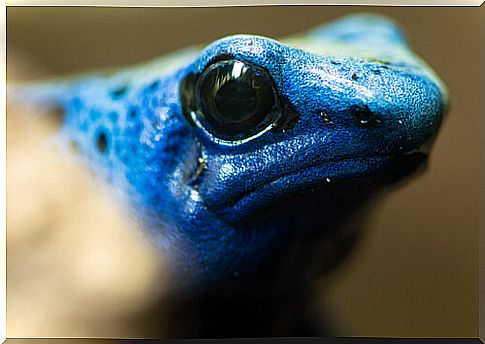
<point>234,100</point>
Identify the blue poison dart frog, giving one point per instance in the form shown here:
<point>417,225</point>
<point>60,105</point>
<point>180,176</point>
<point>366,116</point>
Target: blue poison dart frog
<point>248,161</point>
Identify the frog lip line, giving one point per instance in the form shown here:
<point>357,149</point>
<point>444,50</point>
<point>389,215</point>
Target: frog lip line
<point>418,154</point>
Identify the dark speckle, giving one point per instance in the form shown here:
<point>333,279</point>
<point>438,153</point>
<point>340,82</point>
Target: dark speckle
<point>102,142</point>
<point>119,91</point>
<point>354,76</point>
<point>364,117</point>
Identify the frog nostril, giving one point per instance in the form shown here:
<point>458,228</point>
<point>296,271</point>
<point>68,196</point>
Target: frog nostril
<point>364,117</point>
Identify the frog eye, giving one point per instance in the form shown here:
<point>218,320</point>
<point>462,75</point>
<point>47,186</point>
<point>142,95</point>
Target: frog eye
<point>234,100</point>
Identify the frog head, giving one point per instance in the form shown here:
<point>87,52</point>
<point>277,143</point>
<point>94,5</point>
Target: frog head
<point>249,156</point>
<point>273,119</point>
<point>293,136</point>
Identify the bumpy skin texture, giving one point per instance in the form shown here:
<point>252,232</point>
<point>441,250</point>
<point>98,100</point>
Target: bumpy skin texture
<point>356,95</point>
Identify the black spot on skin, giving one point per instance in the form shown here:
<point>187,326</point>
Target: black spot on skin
<point>102,142</point>
<point>132,114</point>
<point>365,118</point>
<point>119,92</point>
<point>154,85</point>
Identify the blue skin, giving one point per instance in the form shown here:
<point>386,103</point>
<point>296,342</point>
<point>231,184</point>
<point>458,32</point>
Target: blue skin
<point>208,204</point>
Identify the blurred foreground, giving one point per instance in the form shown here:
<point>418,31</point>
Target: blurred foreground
<point>76,266</point>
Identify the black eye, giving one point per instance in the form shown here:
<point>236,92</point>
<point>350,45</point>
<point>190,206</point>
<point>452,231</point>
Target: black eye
<point>234,100</point>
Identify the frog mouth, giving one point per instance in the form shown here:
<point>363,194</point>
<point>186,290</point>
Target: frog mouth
<point>377,171</point>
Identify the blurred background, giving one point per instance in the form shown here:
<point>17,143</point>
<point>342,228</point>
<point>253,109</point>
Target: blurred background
<point>76,267</point>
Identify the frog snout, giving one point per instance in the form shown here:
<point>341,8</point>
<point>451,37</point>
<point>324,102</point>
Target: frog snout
<point>393,110</point>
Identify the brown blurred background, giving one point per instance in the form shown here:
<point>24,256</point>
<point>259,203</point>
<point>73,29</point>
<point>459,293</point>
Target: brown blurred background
<point>414,272</point>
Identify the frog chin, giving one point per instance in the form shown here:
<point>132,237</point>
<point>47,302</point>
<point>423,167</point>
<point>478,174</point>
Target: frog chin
<point>376,172</point>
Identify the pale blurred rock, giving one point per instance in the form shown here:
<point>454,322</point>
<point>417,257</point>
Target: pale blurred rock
<point>76,266</point>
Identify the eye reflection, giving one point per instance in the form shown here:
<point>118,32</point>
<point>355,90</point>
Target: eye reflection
<point>235,100</point>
